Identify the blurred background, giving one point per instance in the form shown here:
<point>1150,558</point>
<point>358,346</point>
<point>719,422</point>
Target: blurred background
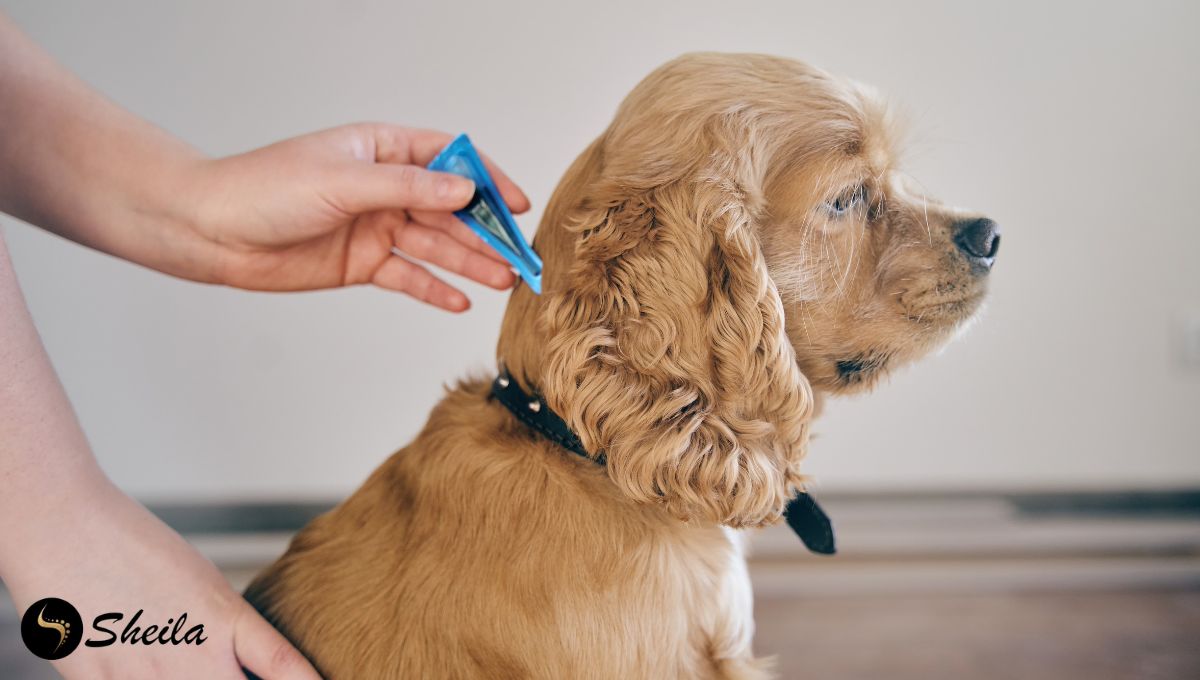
<point>1025,504</point>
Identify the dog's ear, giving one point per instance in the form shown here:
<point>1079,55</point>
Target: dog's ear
<point>666,347</point>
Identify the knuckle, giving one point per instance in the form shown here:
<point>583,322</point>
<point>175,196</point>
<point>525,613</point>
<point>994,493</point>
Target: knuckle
<point>361,127</point>
<point>423,288</point>
<point>399,278</point>
<point>284,657</point>
<point>409,175</point>
<point>422,242</point>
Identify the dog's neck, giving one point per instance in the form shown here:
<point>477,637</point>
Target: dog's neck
<point>802,513</point>
<point>534,412</point>
<point>521,348</point>
<point>521,339</point>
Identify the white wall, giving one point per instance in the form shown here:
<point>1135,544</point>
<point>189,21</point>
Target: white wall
<point>1075,125</point>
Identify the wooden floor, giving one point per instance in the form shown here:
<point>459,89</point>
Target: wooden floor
<point>1032,636</point>
<point>959,587</point>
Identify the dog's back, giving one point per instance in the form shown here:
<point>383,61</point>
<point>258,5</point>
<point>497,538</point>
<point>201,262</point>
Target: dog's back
<point>480,551</point>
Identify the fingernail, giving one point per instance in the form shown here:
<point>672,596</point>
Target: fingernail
<point>454,188</point>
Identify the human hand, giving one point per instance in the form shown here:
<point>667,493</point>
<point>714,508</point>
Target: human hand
<point>102,552</point>
<point>327,209</point>
<point>318,211</point>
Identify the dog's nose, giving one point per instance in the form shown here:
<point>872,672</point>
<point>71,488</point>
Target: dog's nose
<point>978,239</point>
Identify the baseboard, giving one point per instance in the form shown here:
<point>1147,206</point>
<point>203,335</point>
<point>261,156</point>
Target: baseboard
<point>906,542</point>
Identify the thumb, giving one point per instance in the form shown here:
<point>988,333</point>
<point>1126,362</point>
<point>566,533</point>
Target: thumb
<point>390,186</point>
<point>263,651</point>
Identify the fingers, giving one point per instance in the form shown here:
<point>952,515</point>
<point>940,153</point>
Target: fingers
<point>397,273</point>
<point>263,651</point>
<point>516,199</point>
<point>460,232</point>
<point>386,186</point>
<point>439,248</point>
<point>395,144</point>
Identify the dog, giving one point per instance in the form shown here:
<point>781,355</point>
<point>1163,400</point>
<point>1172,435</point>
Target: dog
<point>736,246</point>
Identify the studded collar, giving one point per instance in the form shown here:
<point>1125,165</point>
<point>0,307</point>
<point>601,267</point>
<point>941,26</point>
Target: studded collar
<point>803,515</point>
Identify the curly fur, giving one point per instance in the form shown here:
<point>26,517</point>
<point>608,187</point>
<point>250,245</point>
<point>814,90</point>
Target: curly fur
<point>691,389</point>
<point>701,295</point>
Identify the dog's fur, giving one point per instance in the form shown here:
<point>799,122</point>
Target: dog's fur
<point>702,294</point>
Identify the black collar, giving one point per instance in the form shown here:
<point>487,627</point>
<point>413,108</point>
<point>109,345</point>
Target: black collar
<point>802,513</point>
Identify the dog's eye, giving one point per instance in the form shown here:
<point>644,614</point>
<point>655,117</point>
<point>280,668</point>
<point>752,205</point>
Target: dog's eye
<point>846,201</point>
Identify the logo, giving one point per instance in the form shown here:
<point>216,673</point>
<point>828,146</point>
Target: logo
<point>51,628</point>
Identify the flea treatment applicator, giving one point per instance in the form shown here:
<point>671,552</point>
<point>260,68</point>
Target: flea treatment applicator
<point>487,214</point>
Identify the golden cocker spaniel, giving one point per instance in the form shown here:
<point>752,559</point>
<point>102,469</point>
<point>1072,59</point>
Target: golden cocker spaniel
<point>737,244</point>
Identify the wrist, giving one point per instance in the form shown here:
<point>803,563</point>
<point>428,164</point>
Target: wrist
<point>169,209</point>
<point>42,509</point>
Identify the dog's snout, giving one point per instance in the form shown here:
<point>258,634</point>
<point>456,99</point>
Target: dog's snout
<point>978,239</point>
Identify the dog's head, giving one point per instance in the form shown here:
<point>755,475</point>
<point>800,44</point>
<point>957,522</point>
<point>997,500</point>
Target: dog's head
<point>738,238</point>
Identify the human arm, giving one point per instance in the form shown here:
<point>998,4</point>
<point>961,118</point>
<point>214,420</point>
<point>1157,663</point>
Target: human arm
<point>318,211</point>
<point>67,532</point>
